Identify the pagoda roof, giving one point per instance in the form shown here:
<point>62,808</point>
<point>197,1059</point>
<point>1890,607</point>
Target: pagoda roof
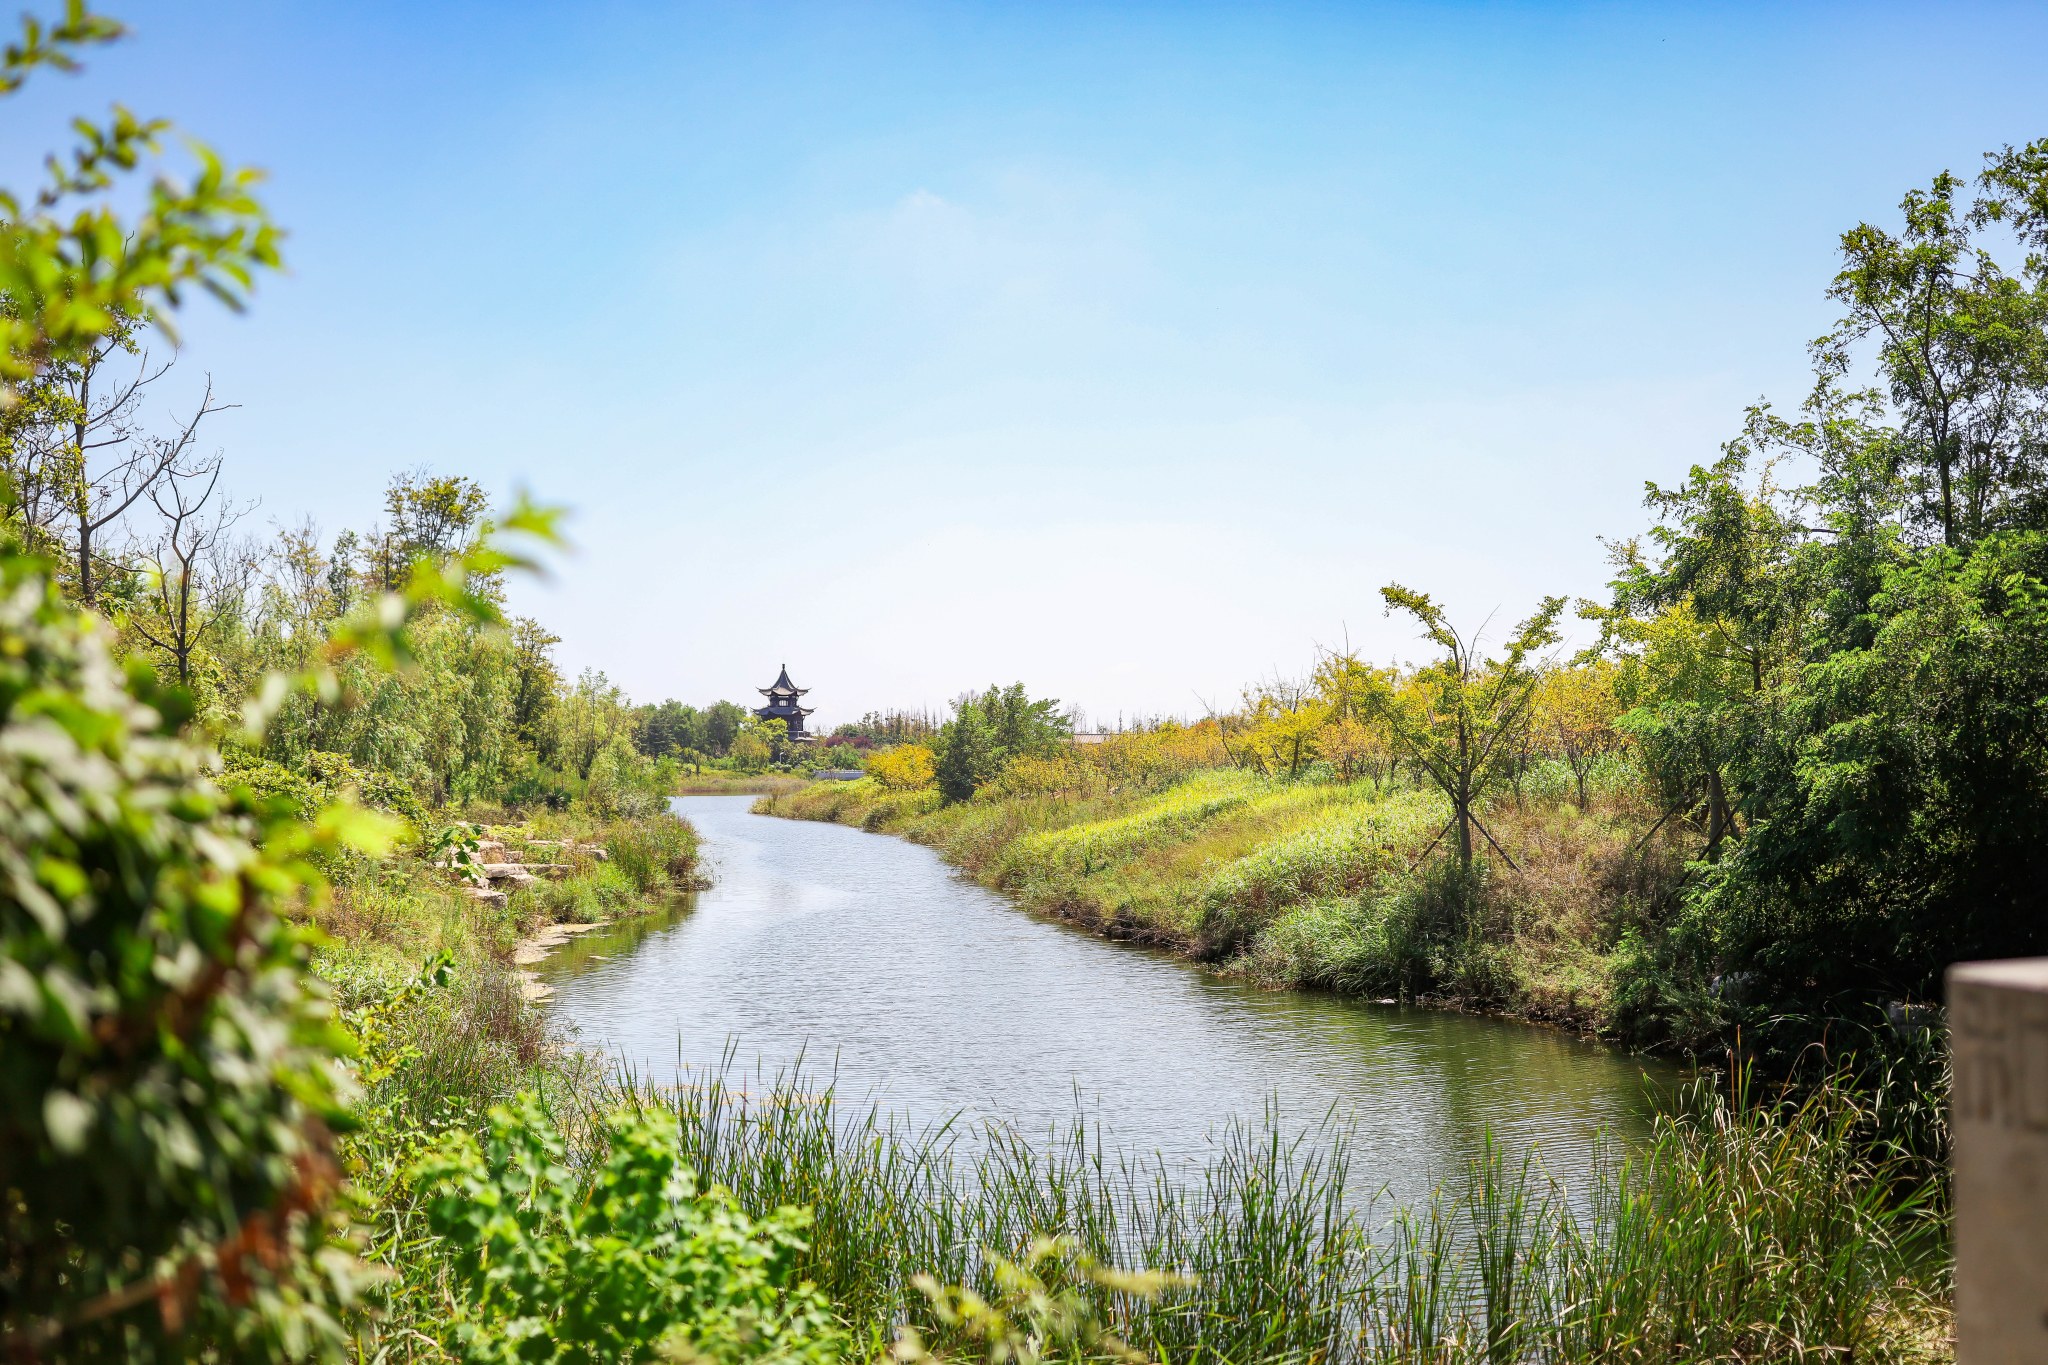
<point>782,684</point>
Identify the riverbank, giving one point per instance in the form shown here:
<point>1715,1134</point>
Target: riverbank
<point>476,1037</point>
<point>1789,1250</point>
<point>1320,884</point>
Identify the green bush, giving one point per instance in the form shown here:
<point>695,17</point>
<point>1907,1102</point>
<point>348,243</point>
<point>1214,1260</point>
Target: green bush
<point>1342,849</point>
<point>317,781</point>
<point>167,1068</point>
<point>634,1259</point>
<point>538,786</point>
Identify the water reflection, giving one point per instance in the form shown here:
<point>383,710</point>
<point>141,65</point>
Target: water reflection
<point>935,995</point>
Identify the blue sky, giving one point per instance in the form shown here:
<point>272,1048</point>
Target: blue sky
<point>1126,350</point>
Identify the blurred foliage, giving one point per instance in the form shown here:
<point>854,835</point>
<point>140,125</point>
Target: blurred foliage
<point>168,1067</point>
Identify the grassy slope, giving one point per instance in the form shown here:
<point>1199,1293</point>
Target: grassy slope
<point>1307,885</point>
<point>476,1041</point>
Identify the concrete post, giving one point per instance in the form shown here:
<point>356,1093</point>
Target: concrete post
<point>1998,1030</point>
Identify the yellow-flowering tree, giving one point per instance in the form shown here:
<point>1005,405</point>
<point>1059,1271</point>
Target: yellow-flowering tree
<point>1354,694</point>
<point>1576,709</point>
<point>1283,724</point>
<point>907,767</point>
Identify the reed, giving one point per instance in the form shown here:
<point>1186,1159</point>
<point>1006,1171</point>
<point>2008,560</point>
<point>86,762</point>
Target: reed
<point>1751,1228</point>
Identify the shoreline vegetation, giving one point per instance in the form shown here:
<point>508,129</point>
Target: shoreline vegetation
<point>1755,1227</point>
<point>1760,1224</point>
<point>1310,882</point>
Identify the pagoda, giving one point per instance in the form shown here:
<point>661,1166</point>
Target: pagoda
<point>782,695</point>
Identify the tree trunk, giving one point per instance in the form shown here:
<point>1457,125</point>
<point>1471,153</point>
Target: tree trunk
<point>85,563</point>
<point>84,492</point>
<point>1717,814</point>
<point>1948,515</point>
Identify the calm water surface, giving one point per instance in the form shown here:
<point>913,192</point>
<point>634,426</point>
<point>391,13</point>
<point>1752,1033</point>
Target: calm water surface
<point>933,995</point>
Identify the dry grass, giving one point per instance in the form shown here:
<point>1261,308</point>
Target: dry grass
<point>1583,878</point>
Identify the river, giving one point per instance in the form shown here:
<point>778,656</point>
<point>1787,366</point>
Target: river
<point>932,995</point>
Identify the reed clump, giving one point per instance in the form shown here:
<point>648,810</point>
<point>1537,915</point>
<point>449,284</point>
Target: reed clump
<point>1751,1228</point>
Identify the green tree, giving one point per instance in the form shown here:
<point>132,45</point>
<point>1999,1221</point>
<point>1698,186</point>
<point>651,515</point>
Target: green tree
<point>722,724</point>
<point>537,682</point>
<point>1023,727</point>
<point>991,729</point>
<point>755,746</point>
<point>1961,349</point>
<point>1706,621</point>
<point>1458,725</point>
<point>968,755</point>
<point>1902,793</point>
<point>591,713</point>
<point>669,728</point>
<point>431,519</point>
<point>1862,659</point>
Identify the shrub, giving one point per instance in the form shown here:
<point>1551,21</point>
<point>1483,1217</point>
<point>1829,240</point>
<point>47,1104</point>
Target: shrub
<point>538,786</point>
<point>1061,776</point>
<point>1340,851</point>
<point>907,767</point>
<point>1155,759</point>
<point>456,1040</point>
<point>596,893</point>
<point>167,1072</point>
<point>635,1260</point>
<point>317,780</point>
<point>626,784</point>
<point>837,755</point>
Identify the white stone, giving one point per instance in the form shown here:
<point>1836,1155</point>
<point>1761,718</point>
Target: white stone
<point>1998,1021</point>
<point>488,897</point>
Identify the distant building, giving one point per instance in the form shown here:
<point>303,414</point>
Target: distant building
<point>1087,737</point>
<point>782,695</point>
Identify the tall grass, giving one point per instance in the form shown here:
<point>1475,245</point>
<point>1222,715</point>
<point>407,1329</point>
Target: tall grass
<point>655,852</point>
<point>1750,1229</point>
